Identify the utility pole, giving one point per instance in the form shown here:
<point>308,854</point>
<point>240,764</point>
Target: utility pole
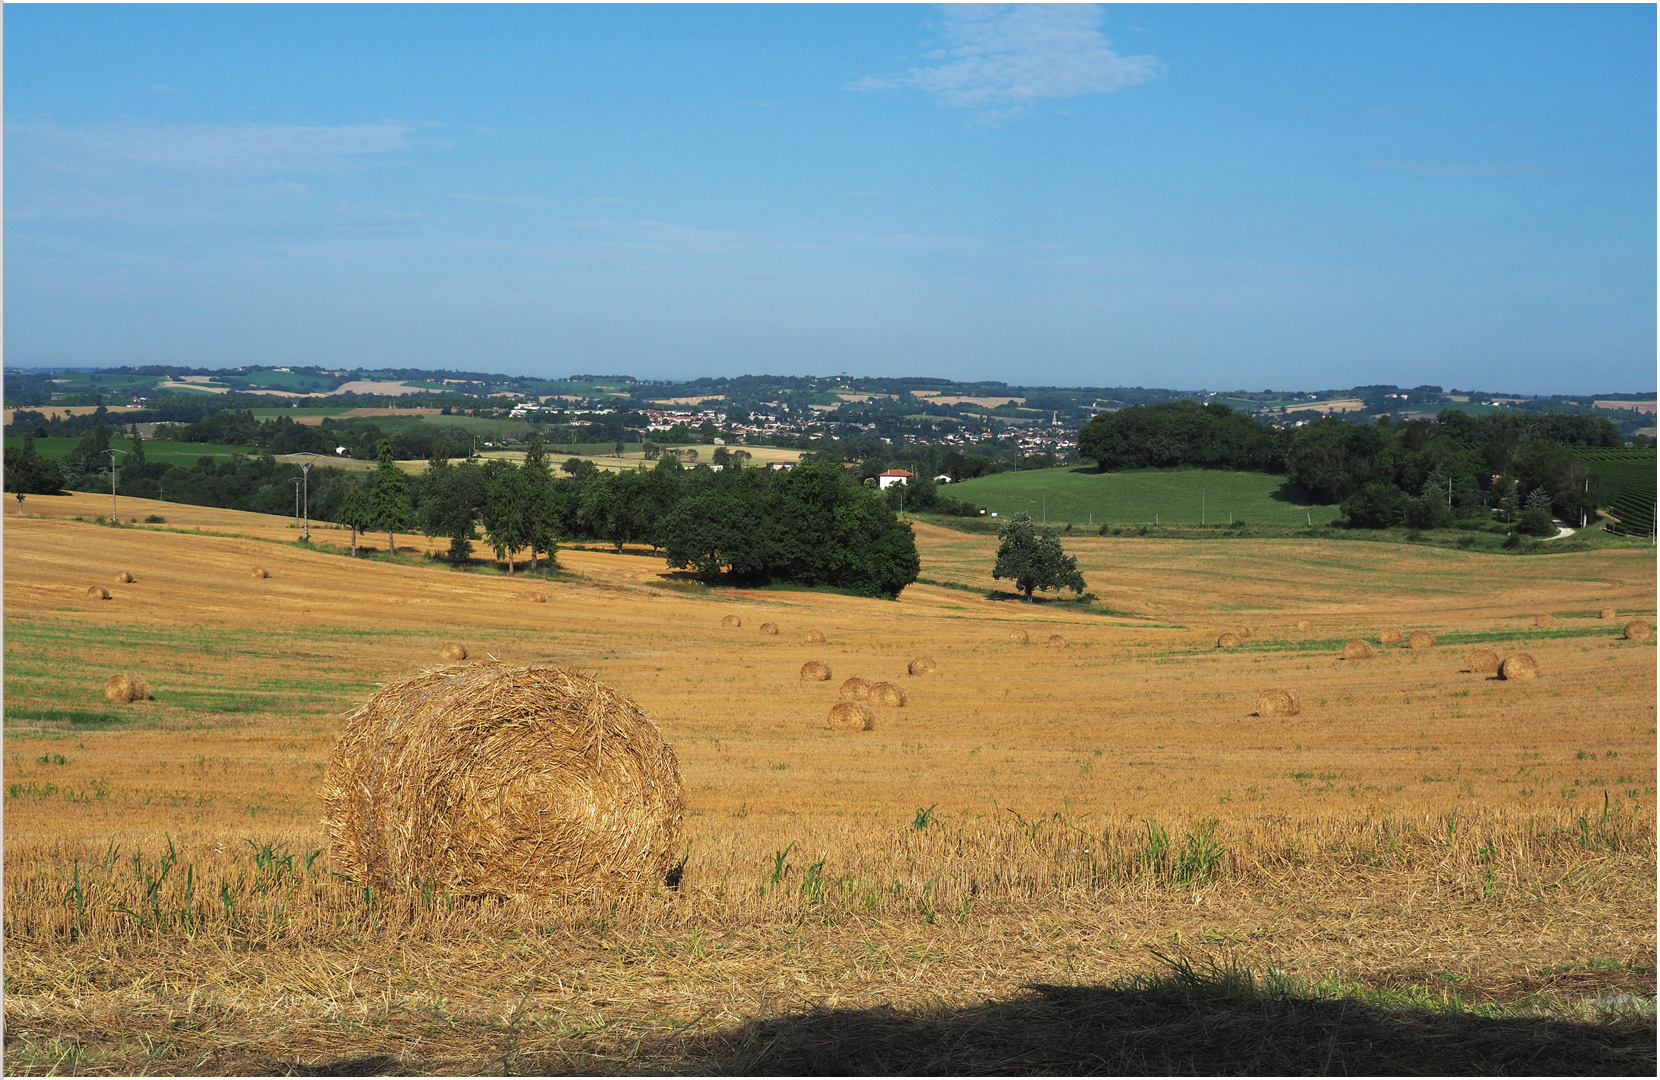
<point>296,498</point>
<point>115,515</point>
<point>1201,508</point>
<point>305,475</point>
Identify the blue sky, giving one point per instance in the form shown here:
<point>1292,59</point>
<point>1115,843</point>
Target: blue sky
<point>1218,197</point>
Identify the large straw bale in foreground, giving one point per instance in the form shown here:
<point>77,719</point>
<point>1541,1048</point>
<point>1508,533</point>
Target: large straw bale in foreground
<point>1420,639</point>
<point>815,671</point>
<point>1519,666</point>
<point>852,716</point>
<point>923,665</point>
<point>888,695</point>
<point>1391,636</point>
<point>1275,702</point>
<point>1638,630</point>
<point>503,781</point>
<point>125,688</point>
<point>1356,650</point>
<point>1484,662</point>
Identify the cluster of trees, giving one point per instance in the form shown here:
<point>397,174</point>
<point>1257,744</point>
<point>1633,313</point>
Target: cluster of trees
<point>811,525</point>
<point>27,473</point>
<point>1423,473</point>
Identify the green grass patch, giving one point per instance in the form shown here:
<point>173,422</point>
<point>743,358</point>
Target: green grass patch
<point>182,454</point>
<point>76,717</point>
<point>1085,498</point>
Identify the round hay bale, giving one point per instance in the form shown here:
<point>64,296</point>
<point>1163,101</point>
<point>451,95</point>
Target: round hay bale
<point>1484,662</point>
<point>125,688</point>
<point>261,572</point>
<point>124,578</point>
<point>1420,639</point>
<point>1543,620</point>
<point>770,629</point>
<point>452,651</point>
<point>97,592</point>
<point>1276,702</point>
<point>855,689</point>
<point>731,622</point>
<point>1228,640</point>
<point>1638,630</point>
<point>1608,613</point>
<point>1304,624</point>
<point>1391,636</point>
<point>851,716</point>
<point>1356,650</point>
<point>815,671</point>
<point>1058,641</point>
<point>527,782</point>
<point>539,598</point>
<point>1242,632</point>
<point>1519,666</point>
<point>814,637</point>
<point>888,695</point>
<point>1019,637</point>
<point>922,665</point>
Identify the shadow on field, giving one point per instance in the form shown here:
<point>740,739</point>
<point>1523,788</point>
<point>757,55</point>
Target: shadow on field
<point>1097,1030</point>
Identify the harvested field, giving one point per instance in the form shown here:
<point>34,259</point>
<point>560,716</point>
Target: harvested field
<point>1032,818</point>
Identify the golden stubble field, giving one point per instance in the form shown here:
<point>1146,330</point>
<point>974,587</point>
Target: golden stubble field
<point>1034,816</point>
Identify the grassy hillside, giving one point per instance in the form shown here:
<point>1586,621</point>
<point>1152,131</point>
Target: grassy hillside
<point>1172,496</point>
<point>174,453</point>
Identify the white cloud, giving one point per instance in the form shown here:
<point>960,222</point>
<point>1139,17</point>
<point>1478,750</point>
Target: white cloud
<point>1002,59</point>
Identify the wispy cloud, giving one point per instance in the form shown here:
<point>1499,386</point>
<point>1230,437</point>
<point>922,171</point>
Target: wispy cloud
<point>1000,60</point>
<point>170,176</point>
<point>1451,169</point>
<point>214,149</point>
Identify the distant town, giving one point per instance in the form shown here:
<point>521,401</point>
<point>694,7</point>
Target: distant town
<point>789,411</point>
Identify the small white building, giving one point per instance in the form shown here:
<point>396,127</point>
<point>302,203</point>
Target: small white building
<point>892,477</point>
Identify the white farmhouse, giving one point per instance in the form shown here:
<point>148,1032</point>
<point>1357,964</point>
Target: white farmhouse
<point>892,477</point>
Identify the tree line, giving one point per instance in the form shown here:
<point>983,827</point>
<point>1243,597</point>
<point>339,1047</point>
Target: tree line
<point>1423,473</point>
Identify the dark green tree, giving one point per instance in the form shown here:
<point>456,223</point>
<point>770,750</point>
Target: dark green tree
<point>452,496</point>
<point>1033,558</point>
<point>353,512</point>
<point>27,473</point>
<point>541,517</point>
<point>506,515</point>
<point>389,496</point>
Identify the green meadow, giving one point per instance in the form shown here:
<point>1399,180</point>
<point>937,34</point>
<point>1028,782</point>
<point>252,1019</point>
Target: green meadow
<point>1082,496</point>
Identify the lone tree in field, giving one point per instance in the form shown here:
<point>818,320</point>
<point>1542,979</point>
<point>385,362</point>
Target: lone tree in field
<point>353,513</point>
<point>389,497</point>
<point>1032,558</point>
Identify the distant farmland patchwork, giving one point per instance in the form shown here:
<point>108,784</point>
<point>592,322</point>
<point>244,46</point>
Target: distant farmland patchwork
<point>1168,496</point>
